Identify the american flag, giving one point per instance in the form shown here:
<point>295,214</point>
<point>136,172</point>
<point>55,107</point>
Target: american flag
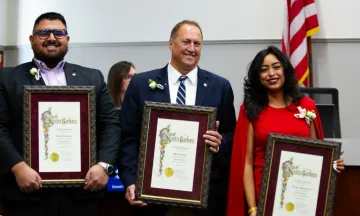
<point>301,21</point>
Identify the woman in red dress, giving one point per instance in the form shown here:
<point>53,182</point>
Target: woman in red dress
<point>271,102</point>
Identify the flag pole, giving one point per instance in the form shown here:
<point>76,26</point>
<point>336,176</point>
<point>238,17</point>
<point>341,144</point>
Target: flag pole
<point>311,75</point>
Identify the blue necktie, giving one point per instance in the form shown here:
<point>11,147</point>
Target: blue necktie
<point>181,95</point>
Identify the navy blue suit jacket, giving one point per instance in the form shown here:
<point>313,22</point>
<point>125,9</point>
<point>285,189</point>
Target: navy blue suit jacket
<point>216,93</point>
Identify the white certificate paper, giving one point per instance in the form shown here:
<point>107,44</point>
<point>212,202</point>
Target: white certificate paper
<point>59,137</point>
<point>298,184</point>
<point>175,154</point>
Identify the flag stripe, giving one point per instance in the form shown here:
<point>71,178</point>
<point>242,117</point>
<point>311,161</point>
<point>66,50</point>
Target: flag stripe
<point>312,25</point>
<point>299,53</point>
<point>302,66</point>
<point>285,37</point>
<point>297,22</point>
<point>295,10</point>
<point>310,10</point>
<point>297,39</point>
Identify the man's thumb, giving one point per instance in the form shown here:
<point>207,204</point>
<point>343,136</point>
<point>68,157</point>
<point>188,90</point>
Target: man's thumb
<point>132,192</point>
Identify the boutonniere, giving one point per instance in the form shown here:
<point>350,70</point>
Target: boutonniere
<point>35,72</point>
<point>154,85</point>
<point>308,115</point>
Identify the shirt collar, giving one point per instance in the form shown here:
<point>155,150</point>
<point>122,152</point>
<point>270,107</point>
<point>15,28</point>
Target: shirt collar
<point>42,66</point>
<point>174,75</point>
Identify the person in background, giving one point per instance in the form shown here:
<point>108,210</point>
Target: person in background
<point>270,105</point>
<point>118,80</point>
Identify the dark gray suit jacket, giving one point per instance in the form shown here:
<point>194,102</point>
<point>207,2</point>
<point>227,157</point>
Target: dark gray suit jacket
<point>12,80</point>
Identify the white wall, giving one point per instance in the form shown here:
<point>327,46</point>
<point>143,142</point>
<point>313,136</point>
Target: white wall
<point>139,20</point>
<point>335,65</point>
<point>3,22</point>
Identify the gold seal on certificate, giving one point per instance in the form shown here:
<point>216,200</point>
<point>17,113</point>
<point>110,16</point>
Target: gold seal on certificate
<point>289,207</point>
<point>169,172</point>
<point>54,157</point>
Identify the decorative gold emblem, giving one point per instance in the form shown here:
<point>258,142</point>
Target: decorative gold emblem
<point>169,172</point>
<point>54,157</point>
<point>289,207</point>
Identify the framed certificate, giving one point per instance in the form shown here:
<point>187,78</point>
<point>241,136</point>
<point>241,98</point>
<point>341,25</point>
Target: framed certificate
<point>298,176</point>
<point>59,133</point>
<point>174,161</point>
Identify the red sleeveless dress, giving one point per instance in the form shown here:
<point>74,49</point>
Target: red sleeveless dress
<point>274,120</point>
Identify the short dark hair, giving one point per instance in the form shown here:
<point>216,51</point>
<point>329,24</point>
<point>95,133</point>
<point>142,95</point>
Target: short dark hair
<point>115,79</point>
<point>49,16</point>
<point>176,28</point>
<point>255,94</point>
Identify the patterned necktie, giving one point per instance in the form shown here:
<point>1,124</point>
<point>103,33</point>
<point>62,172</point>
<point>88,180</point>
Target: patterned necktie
<point>181,94</point>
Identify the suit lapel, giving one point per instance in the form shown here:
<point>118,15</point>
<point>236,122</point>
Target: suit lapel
<point>162,78</point>
<point>71,75</point>
<point>203,85</point>
<point>31,78</point>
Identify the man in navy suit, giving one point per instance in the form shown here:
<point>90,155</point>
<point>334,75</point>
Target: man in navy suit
<point>203,88</point>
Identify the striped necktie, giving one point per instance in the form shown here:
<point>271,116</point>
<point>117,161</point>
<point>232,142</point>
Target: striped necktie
<point>181,94</point>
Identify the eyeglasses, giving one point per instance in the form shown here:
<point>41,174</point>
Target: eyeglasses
<point>44,34</point>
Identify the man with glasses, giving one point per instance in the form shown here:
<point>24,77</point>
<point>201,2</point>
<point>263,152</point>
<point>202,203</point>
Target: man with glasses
<point>21,186</point>
<point>183,82</point>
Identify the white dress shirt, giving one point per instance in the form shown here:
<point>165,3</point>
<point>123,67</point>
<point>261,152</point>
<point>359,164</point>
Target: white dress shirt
<point>190,84</point>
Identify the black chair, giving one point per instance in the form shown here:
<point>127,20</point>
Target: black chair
<point>329,113</point>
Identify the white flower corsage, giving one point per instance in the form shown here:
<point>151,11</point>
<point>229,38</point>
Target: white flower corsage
<point>154,85</point>
<point>308,115</point>
<point>35,72</point>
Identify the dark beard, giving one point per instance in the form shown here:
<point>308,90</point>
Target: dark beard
<point>50,61</point>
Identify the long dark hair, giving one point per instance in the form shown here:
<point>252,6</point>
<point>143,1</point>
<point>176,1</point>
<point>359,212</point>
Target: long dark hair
<point>115,80</point>
<point>256,97</point>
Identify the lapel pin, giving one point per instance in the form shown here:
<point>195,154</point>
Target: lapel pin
<point>205,85</point>
<point>74,74</point>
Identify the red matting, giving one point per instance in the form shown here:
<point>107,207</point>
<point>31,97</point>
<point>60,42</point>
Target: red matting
<point>324,152</point>
<point>1,59</point>
<point>195,194</point>
<point>84,130</point>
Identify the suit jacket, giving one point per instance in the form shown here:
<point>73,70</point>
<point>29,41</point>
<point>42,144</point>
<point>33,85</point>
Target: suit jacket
<point>12,80</point>
<point>216,93</point>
